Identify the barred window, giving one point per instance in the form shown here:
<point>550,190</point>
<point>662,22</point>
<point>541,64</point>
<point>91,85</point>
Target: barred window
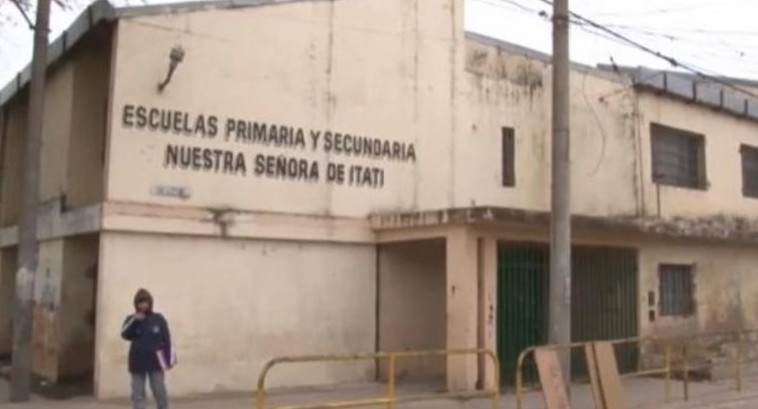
<point>676,289</point>
<point>678,157</point>
<point>749,170</point>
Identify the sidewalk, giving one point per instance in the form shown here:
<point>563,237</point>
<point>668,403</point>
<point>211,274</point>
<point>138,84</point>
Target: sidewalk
<point>640,394</point>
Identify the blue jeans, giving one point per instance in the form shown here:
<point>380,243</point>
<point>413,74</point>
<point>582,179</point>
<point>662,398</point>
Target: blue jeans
<point>157,385</point>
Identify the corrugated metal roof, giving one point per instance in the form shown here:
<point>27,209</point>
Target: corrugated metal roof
<point>712,93</point>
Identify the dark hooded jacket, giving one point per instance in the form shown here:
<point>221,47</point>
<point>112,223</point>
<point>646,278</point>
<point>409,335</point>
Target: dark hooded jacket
<point>149,338</point>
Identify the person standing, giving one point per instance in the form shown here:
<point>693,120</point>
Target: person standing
<point>150,353</point>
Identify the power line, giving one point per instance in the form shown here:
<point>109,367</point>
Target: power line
<point>671,60</point>
<point>716,46</point>
<point>690,37</point>
<point>689,30</point>
<point>20,8</point>
<point>502,3</point>
<point>612,35</point>
<point>682,9</point>
<point>520,6</point>
<point>698,70</point>
<point>601,31</point>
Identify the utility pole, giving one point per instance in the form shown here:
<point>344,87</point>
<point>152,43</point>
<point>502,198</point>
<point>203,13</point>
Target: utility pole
<point>21,364</point>
<point>560,206</point>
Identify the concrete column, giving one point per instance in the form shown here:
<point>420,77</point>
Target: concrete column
<point>462,307</point>
<point>7,294</point>
<point>488,301</point>
<point>76,324</point>
<point>47,312</point>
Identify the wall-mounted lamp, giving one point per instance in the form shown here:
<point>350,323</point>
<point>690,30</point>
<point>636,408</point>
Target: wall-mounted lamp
<point>176,56</point>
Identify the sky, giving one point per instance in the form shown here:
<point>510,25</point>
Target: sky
<point>717,37</point>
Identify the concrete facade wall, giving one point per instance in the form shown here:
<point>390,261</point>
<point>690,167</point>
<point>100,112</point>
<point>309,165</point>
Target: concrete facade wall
<point>89,106</point>
<point>64,295</point>
<point>77,307</point>
<point>73,133</point>
<point>56,133</point>
<point>723,165</point>
<point>726,277</point>
<point>12,155</point>
<point>47,318</point>
<point>462,306</point>
<point>318,79</point>
<point>507,88</point>
<point>250,301</point>
<point>71,176</point>
<point>7,296</point>
<point>412,296</point>
<point>725,287</point>
<point>71,168</point>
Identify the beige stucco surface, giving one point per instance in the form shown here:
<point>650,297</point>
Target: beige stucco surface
<point>505,88</point>
<point>77,293</point>
<point>47,300</point>
<point>412,296</point>
<point>56,133</point>
<point>380,69</point>
<point>15,126</point>
<point>725,287</point>
<point>73,135</point>
<point>462,261</point>
<point>248,302</point>
<point>85,163</point>
<point>723,165</point>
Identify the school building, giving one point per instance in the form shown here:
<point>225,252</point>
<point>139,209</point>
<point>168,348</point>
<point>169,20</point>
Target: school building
<point>301,177</point>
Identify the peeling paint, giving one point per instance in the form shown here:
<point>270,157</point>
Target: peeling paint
<point>528,76</point>
<point>24,284</point>
<point>717,227</point>
<point>223,218</point>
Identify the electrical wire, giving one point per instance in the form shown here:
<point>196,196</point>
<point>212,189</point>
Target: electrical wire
<point>682,9</point>
<point>718,48</point>
<point>603,31</point>
<point>689,30</point>
<point>515,6</point>
<point>699,71</point>
<point>691,38</point>
<point>20,8</point>
<point>671,60</point>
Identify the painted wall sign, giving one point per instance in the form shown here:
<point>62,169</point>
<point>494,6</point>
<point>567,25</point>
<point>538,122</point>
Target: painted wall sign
<point>245,162</point>
<point>178,192</point>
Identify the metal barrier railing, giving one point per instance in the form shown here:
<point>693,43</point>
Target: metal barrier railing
<point>738,359</point>
<point>569,347</point>
<point>685,345</point>
<point>391,398</point>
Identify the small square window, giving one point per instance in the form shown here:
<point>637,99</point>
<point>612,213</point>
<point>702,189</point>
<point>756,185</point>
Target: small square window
<point>509,157</point>
<point>677,288</point>
<point>749,170</point>
<point>678,157</point>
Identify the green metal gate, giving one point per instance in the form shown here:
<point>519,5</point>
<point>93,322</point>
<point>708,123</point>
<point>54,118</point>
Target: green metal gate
<point>604,289</point>
<point>522,304</point>
<point>604,293</point>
